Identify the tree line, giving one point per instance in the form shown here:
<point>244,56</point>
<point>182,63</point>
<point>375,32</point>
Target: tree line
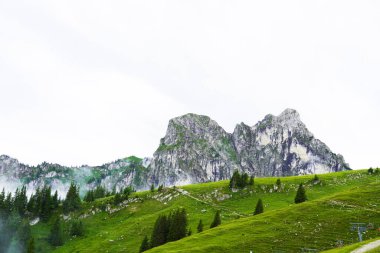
<point>18,209</point>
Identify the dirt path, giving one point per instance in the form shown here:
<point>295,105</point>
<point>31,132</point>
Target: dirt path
<point>367,247</point>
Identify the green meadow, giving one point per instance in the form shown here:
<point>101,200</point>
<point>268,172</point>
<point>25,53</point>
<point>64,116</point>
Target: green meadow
<point>321,223</point>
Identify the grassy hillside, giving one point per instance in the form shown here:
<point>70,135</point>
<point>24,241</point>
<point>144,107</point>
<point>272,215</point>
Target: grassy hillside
<point>340,198</point>
<point>349,248</point>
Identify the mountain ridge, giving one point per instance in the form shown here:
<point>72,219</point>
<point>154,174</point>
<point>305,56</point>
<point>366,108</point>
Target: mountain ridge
<point>195,149</point>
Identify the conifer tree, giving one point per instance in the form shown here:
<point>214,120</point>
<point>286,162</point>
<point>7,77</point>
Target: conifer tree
<point>76,228</point>
<point>152,188</point>
<point>160,231</point>
<point>31,204</point>
<point>56,234</point>
<point>46,204</point>
<point>177,225</point>
<point>30,248</point>
<point>144,245</point>
<point>117,199</point>
<point>217,220</point>
<point>89,197</point>
<point>235,180</point>
<point>54,200</point>
<point>24,234</point>
<point>278,184</point>
<point>243,180</point>
<point>72,201</point>
<point>200,226</point>
<point>301,195</point>
<point>259,207</point>
<point>251,180</point>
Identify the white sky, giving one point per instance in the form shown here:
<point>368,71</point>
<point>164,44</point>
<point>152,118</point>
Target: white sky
<point>87,82</point>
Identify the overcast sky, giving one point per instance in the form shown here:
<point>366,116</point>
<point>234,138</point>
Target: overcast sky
<point>87,82</point>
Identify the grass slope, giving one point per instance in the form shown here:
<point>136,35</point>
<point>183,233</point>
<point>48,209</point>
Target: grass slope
<point>340,198</point>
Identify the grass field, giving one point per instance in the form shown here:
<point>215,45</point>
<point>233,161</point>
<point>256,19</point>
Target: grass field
<point>320,223</point>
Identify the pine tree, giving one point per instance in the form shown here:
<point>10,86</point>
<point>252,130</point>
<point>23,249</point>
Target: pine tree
<point>251,180</point>
<point>144,245</point>
<point>56,235</point>
<point>89,197</point>
<point>76,228</point>
<point>217,220</point>
<point>24,234</point>
<point>301,195</point>
<point>20,201</point>
<point>200,226</point>
<point>54,200</point>
<point>30,248</point>
<point>235,180</point>
<point>72,201</point>
<point>189,232</point>
<point>278,184</point>
<point>259,207</point>
<point>117,199</point>
<point>152,188</point>
<point>46,204</point>
<point>160,231</point>
<point>177,225</point>
<point>243,180</point>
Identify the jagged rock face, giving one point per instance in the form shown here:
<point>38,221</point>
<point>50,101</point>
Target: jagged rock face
<point>283,146</point>
<point>120,173</point>
<point>196,149</point>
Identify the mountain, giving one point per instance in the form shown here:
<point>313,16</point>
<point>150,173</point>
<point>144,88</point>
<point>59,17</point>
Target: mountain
<point>117,174</point>
<point>194,149</point>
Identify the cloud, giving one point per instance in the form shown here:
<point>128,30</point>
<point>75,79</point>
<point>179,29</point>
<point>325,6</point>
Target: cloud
<point>89,81</point>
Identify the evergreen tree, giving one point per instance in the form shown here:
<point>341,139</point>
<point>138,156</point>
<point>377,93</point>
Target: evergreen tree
<point>54,200</point>
<point>152,188</point>
<point>251,180</point>
<point>235,180</point>
<point>259,207</point>
<point>89,197</point>
<point>2,204</point>
<point>177,225</point>
<point>31,204</point>
<point>160,188</point>
<point>30,248</point>
<point>72,201</point>
<point>20,201</point>
<point>56,234</point>
<point>46,204</point>
<point>217,220</point>
<point>278,184</point>
<point>144,245</point>
<point>117,199</point>
<point>301,195</point>
<point>200,226</point>
<point>160,231</point>
<point>370,171</point>
<point>76,228</point>
<point>24,234</point>
<point>243,180</point>
<point>8,206</point>
<point>100,192</point>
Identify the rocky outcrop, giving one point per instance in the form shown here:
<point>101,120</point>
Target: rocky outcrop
<point>196,149</point>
